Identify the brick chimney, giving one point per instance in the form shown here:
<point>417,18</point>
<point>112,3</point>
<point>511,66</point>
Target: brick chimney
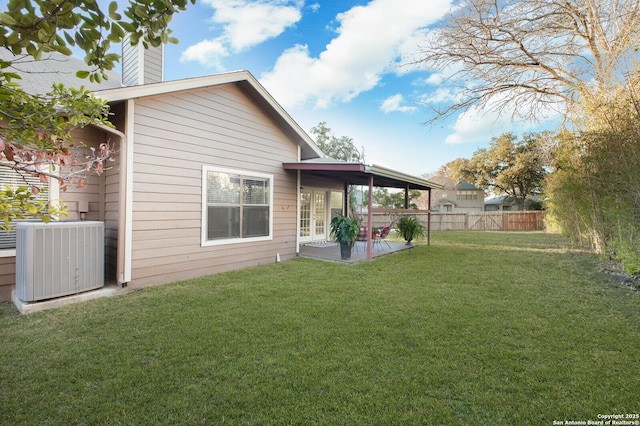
<point>140,65</point>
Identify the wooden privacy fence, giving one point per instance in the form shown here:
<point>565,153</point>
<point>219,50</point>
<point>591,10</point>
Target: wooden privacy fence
<point>480,221</point>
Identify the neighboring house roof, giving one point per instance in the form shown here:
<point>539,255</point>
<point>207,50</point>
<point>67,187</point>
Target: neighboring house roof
<point>503,199</point>
<point>467,186</point>
<point>38,76</point>
<point>447,182</point>
<point>243,79</point>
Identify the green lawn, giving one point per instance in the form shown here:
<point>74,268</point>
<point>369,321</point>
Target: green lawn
<point>479,328</point>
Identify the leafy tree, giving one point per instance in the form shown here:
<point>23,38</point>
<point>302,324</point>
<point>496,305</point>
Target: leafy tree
<point>593,191</point>
<point>340,148</point>
<point>35,140</point>
<point>509,166</point>
<point>38,26</point>
<point>563,56</point>
<point>36,129</point>
<point>382,198</point>
<point>454,170</point>
<point>343,149</point>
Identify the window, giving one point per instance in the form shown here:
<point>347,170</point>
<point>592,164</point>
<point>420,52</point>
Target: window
<point>337,200</point>
<point>467,195</point>
<point>15,180</point>
<point>237,206</point>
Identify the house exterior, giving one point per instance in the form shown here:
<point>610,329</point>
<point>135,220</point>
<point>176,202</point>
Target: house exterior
<point>211,175</point>
<point>501,203</point>
<point>507,203</point>
<point>453,198</point>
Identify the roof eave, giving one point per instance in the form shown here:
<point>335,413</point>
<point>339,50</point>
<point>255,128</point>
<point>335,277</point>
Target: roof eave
<point>394,174</point>
<point>152,89</point>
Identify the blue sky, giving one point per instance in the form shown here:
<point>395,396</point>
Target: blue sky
<point>339,61</point>
<point>343,62</point>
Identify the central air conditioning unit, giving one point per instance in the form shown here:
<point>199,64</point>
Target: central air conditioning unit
<point>58,259</point>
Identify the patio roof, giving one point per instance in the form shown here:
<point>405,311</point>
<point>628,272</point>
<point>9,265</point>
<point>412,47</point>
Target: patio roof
<point>360,174</point>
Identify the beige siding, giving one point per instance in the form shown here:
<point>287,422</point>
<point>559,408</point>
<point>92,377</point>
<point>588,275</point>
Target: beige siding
<point>7,277</point>
<point>175,136</point>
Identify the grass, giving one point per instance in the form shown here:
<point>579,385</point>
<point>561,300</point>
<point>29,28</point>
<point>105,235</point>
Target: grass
<point>479,328</point>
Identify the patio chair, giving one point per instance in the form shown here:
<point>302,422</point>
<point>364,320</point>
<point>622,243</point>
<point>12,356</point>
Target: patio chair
<point>380,236</point>
<point>362,237</point>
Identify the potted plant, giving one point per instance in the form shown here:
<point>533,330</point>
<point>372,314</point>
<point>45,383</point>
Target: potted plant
<point>409,228</point>
<point>345,231</point>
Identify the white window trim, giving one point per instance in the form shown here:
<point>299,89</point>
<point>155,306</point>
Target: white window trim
<point>203,230</point>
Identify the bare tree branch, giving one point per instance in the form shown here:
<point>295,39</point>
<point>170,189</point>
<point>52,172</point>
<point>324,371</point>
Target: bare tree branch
<point>527,56</point>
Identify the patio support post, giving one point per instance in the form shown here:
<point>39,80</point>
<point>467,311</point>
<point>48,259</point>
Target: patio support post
<point>345,202</point>
<point>370,220</point>
<point>429,219</point>
<point>406,197</point>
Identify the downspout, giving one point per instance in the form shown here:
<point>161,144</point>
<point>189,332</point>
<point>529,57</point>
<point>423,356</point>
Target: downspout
<point>346,201</point>
<point>406,197</point>
<point>125,228</point>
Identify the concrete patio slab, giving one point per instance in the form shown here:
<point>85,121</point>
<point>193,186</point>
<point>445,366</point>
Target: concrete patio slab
<point>330,251</point>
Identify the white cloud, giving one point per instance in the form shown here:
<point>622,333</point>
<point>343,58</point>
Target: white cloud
<point>393,103</point>
<point>480,125</point>
<point>207,52</point>
<point>410,57</point>
<point>440,95</point>
<point>474,126</point>
<point>245,24</point>
<point>435,79</point>
<point>370,38</point>
<point>477,126</point>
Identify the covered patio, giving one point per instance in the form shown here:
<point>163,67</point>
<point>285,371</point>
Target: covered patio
<point>364,175</point>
